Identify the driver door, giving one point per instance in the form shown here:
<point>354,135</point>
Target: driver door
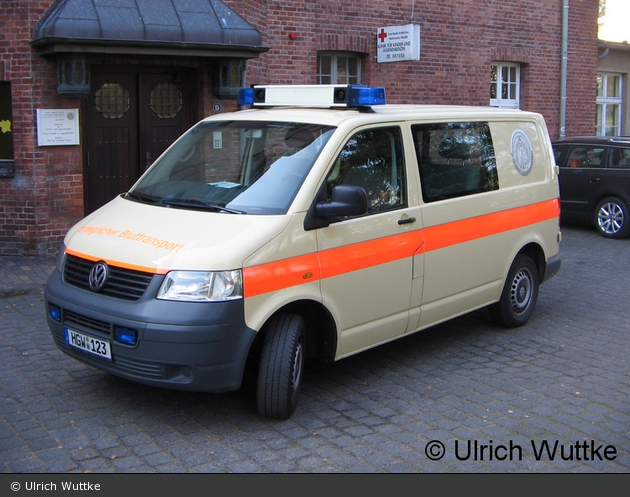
<point>367,262</point>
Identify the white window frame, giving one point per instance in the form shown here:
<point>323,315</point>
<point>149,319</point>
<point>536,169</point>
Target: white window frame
<point>609,104</point>
<point>505,88</point>
<point>339,68</point>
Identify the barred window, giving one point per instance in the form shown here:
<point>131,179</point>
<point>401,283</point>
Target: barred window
<point>609,103</point>
<point>112,100</point>
<point>338,68</point>
<point>505,85</point>
<point>166,100</point>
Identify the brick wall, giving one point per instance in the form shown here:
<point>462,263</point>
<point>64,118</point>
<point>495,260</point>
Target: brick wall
<point>460,38</point>
<point>582,72</point>
<point>36,204</point>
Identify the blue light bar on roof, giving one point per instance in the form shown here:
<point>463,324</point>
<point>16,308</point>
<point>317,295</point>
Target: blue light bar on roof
<point>359,96</point>
<point>312,96</point>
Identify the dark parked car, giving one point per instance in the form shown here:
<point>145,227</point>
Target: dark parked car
<point>595,182</point>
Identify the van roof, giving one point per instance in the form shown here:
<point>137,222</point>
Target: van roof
<point>388,112</point>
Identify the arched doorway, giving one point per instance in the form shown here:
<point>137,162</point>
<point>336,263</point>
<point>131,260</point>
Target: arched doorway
<point>129,119</point>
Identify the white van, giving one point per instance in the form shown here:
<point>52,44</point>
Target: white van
<point>318,223</point>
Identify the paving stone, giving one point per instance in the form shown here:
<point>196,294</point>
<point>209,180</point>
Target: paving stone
<point>562,377</point>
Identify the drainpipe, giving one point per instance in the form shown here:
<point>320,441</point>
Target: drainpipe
<point>563,68</point>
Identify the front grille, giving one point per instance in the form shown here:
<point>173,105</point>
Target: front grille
<point>83,323</point>
<point>137,368</point>
<point>125,284</point>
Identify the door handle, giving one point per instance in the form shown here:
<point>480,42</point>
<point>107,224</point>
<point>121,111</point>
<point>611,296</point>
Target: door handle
<point>407,220</point>
<point>594,180</point>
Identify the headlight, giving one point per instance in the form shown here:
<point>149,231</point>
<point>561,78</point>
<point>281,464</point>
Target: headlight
<point>202,286</point>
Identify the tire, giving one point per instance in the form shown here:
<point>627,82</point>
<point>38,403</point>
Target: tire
<point>281,366</point>
<point>519,295</point>
<point>611,218</point>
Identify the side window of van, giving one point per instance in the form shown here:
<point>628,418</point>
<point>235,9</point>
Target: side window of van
<point>373,160</point>
<point>455,159</point>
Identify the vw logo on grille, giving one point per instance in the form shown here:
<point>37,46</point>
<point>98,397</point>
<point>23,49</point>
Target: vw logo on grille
<point>98,276</point>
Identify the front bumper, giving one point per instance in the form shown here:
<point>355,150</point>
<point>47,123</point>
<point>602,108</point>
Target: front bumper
<point>181,345</point>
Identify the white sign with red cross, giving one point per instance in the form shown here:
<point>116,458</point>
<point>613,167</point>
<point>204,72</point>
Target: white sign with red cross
<point>398,43</point>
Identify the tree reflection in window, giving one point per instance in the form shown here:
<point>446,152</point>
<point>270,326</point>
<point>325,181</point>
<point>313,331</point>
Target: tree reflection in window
<point>455,159</point>
<point>373,160</point>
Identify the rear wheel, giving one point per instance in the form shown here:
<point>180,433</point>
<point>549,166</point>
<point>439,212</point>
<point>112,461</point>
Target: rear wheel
<point>519,296</point>
<point>611,218</point>
<point>281,366</point>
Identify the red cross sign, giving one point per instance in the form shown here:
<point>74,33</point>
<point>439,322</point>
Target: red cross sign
<point>382,35</point>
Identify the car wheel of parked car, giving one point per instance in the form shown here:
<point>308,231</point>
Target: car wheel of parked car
<point>519,295</point>
<point>281,366</point>
<point>611,218</point>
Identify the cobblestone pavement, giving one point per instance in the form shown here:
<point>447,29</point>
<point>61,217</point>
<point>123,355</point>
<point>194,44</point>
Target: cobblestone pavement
<point>561,382</point>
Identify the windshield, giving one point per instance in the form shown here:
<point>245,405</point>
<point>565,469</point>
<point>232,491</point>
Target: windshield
<point>234,166</point>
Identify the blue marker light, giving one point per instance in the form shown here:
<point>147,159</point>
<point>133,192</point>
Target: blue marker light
<point>246,96</point>
<point>359,96</point>
<point>125,335</point>
<point>54,312</point>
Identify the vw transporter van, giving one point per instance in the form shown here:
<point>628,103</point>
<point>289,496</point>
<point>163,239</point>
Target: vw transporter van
<point>317,223</point>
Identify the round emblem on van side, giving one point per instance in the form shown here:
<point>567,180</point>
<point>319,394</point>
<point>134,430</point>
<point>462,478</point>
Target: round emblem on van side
<point>98,276</point>
<point>522,152</point>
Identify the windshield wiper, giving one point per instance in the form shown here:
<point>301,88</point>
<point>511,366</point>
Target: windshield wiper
<point>141,197</point>
<point>194,203</point>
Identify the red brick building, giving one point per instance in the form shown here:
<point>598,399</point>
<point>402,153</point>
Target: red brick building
<point>92,91</point>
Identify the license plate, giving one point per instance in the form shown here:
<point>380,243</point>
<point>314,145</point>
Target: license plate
<point>88,344</point>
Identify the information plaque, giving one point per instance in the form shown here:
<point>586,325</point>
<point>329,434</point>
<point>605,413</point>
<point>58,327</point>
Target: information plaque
<point>57,127</point>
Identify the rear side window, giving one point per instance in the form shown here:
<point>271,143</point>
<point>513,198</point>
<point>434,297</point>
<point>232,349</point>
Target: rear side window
<point>620,157</point>
<point>455,159</point>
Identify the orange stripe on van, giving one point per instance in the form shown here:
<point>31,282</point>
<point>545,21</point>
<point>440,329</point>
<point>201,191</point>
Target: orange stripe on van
<point>444,235</point>
<point>282,274</point>
<point>371,253</point>
<point>307,268</point>
<point>112,262</point>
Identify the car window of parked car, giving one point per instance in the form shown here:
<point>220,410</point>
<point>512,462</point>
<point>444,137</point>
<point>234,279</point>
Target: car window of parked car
<point>587,156</point>
<point>620,157</point>
<point>557,153</point>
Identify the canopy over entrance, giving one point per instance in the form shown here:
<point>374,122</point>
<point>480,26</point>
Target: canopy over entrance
<point>189,28</point>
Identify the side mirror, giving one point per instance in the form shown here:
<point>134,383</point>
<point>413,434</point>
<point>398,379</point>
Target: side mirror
<point>347,200</point>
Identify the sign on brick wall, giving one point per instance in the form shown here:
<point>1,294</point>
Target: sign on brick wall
<point>57,127</point>
<point>398,43</point>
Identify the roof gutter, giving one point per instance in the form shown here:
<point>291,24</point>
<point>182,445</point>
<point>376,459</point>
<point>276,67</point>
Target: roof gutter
<point>57,45</point>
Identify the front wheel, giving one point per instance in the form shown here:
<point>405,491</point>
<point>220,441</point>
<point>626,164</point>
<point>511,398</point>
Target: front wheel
<point>611,218</point>
<point>281,366</point>
<point>519,296</point>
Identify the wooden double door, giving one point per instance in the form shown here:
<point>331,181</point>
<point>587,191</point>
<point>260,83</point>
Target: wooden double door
<point>132,116</point>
